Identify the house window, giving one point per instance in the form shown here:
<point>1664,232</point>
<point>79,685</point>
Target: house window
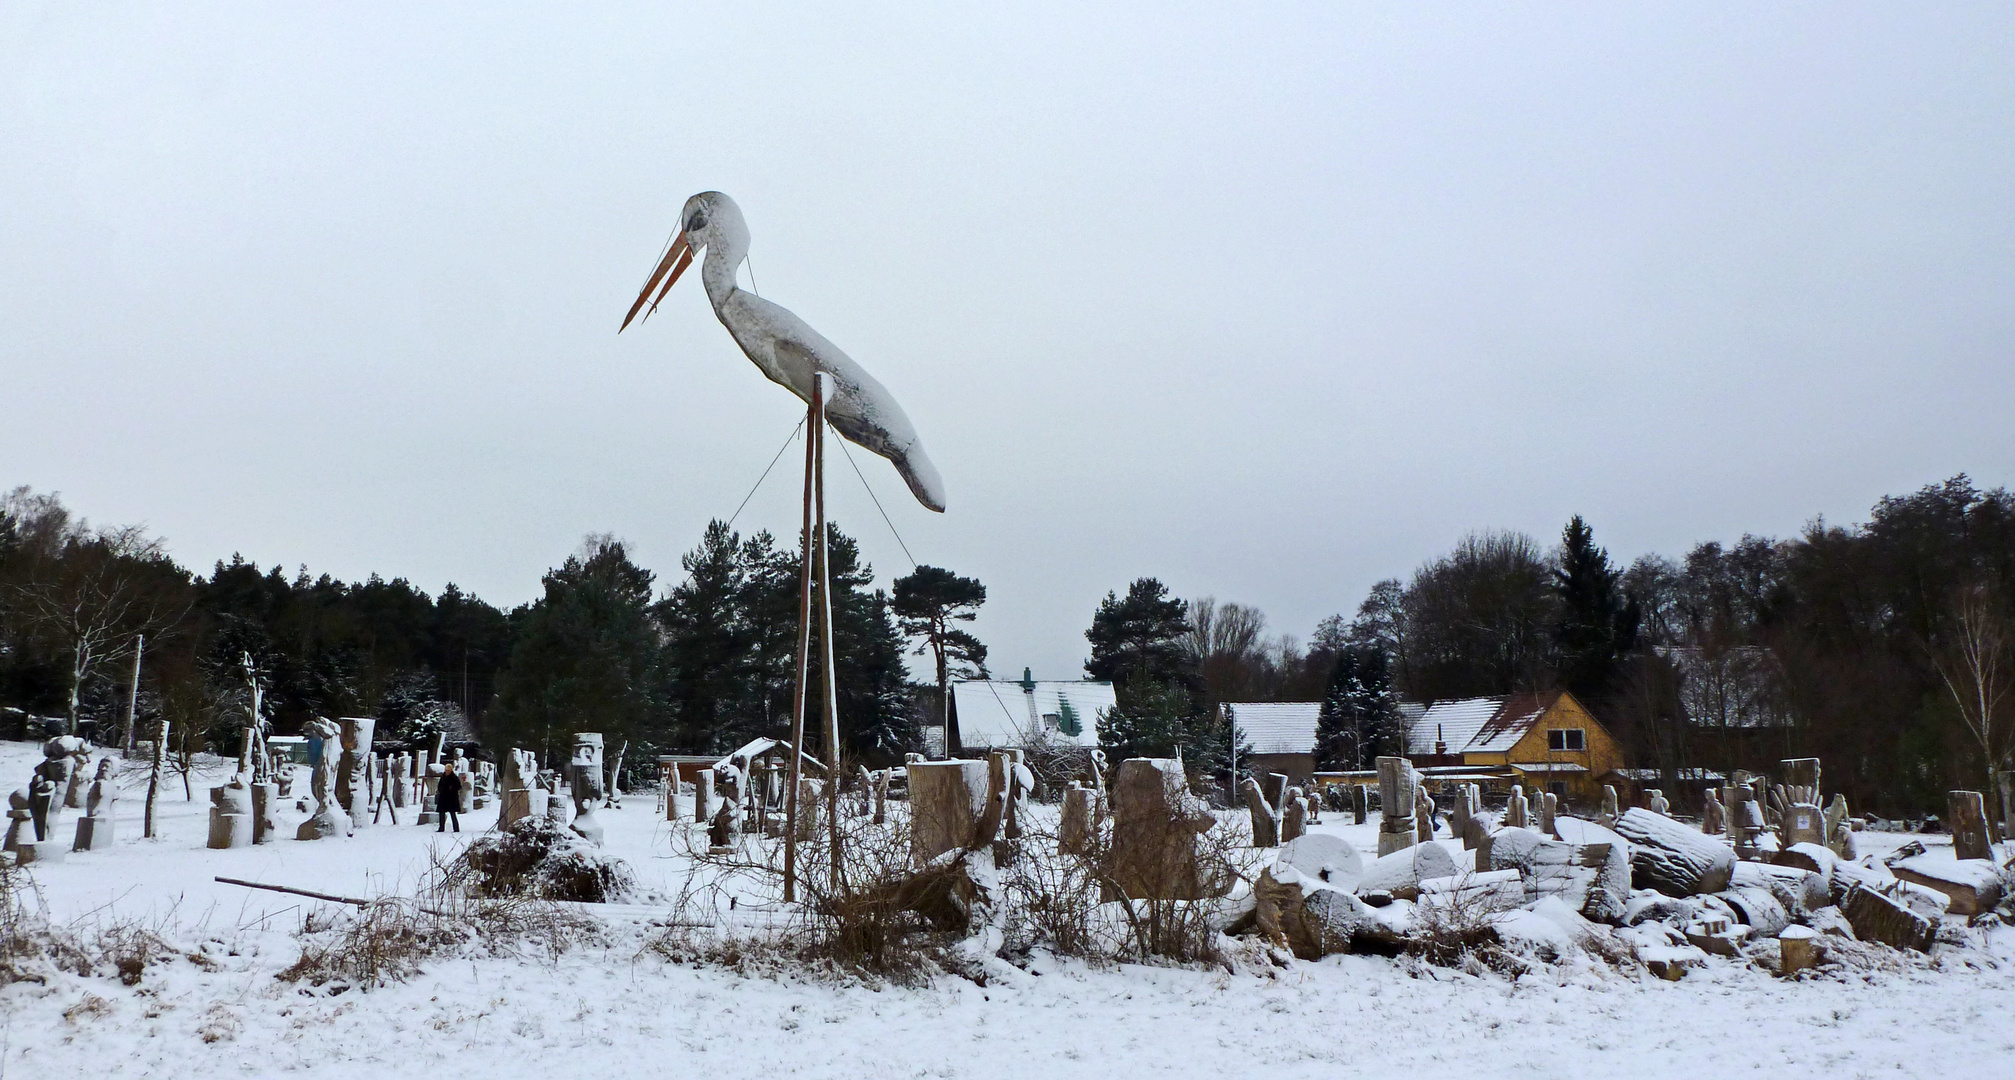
<point>1566,739</point>
<point>1052,721</point>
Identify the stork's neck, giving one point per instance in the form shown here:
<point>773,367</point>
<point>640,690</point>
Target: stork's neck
<point>724,256</point>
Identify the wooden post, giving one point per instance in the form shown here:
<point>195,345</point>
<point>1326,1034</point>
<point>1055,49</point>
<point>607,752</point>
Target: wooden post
<point>812,420</point>
<point>133,696</point>
<point>154,777</point>
<point>832,698</point>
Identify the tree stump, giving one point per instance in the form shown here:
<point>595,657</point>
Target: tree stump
<point>947,799</point>
<point>1079,821</point>
<point>1798,949</point>
<point>1967,818</point>
<point>1156,822</point>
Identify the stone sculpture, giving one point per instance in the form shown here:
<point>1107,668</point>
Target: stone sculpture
<point>1835,819</point>
<point>94,829</point>
<point>947,799</point>
<point>1655,801</point>
<point>1293,817</point>
<point>42,804</point>
<point>1713,821</point>
<point>703,796</point>
<point>1549,813</point>
<point>1607,818</point>
<point>584,780</point>
<point>1396,829</point>
<point>325,822</point>
<point>80,765</point>
<point>231,814</point>
<point>20,821</point>
<point>51,778</point>
<point>724,832</point>
<point>353,777</point>
<point>1265,815</point>
<point>1747,822</point>
<point>522,797</point>
<point>1518,812</point>
<point>1423,815</point>
<point>1360,804</point>
<point>1080,819</point>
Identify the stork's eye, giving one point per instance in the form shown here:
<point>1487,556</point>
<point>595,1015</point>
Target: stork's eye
<point>697,222</point>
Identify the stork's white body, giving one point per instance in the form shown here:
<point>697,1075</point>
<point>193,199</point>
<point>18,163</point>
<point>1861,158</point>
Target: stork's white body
<point>789,351</point>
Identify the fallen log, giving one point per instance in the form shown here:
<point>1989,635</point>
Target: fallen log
<point>1675,859</point>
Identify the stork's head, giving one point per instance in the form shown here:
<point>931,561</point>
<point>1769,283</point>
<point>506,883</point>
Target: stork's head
<point>710,220</point>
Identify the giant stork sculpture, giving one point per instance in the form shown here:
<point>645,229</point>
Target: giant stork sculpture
<point>836,391</point>
<point>784,347</point>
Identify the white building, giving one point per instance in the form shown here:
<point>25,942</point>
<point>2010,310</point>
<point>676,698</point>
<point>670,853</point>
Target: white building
<point>1003,713</point>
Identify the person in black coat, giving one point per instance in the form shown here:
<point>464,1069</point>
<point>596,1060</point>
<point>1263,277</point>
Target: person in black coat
<point>448,799</point>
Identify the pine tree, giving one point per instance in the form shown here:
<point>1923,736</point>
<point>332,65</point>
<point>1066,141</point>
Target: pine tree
<point>929,601</point>
<point>588,658</point>
<point>1598,626</point>
<point>1360,718</point>
<point>1140,638</point>
<point>1336,733</point>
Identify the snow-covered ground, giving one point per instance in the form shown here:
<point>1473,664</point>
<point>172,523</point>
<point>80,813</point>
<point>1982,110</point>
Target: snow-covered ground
<point>616,1009</point>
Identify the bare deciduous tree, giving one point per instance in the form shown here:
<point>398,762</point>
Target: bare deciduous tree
<point>90,593</point>
<point>1977,668</point>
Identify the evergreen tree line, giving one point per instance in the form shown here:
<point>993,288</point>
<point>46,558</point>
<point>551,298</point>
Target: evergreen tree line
<point>700,668</point>
<point>1885,648</point>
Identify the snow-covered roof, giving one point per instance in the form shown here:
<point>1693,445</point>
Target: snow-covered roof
<point>756,748</point>
<point>1276,727</point>
<point>1452,722</point>
<point>1480,725</point>
<point>1002,712</point>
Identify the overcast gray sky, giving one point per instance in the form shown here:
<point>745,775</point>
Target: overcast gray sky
<point>1271,301</point>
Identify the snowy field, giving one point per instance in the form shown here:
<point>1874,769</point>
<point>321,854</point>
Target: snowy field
<point>617,1009</point>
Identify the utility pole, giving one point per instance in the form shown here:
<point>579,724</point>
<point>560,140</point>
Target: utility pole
<point>133,696</point>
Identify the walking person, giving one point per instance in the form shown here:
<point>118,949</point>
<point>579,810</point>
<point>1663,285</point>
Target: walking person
<point>448,799</point>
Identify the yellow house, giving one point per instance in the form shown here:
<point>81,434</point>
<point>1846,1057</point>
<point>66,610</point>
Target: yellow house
<point>1546,741</point>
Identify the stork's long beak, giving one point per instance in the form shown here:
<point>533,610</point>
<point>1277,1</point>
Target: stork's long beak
<point>677,258</point>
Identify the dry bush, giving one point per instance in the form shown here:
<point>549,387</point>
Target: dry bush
<point>1176,927</point>
<point>1459,931</point>
<point>384,942</point>
<point>877,916</point>
<point>536,858</point>
<point>1051,901</point>
<point>1077,905</point>
<point>388,939</point>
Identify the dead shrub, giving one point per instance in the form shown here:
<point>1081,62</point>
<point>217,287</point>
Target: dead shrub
<point>383,942</point>
<point>1458,931</point>
<point>538,859</point>
<point>871,914</point>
